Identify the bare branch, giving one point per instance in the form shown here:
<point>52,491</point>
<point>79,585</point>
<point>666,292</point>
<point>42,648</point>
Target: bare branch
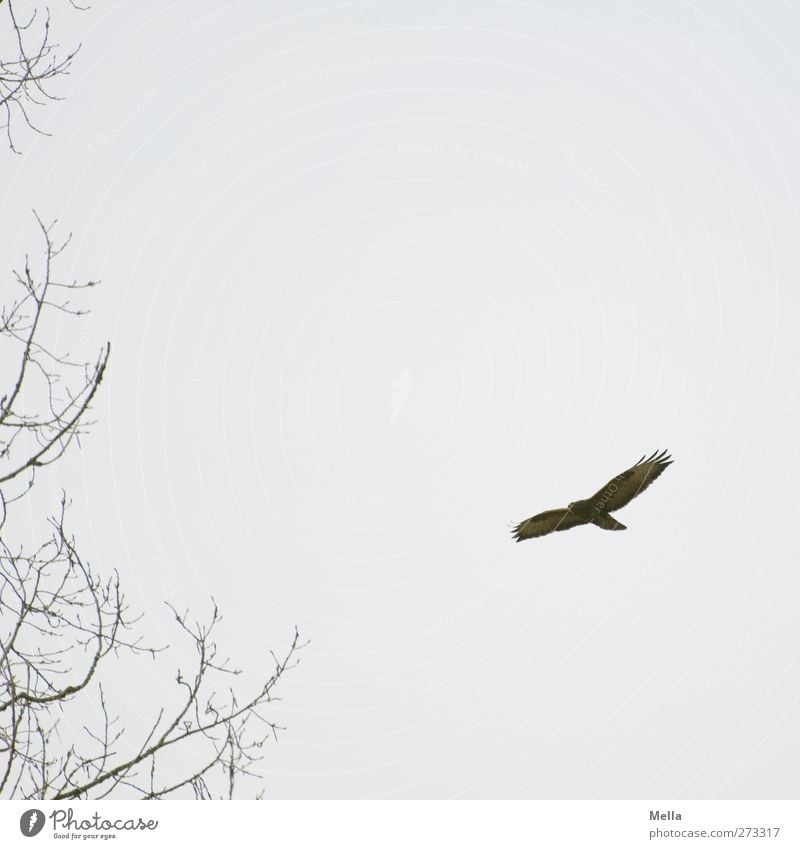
<point>61,627</point>
<point>45,405</point>
<point>33,63</point>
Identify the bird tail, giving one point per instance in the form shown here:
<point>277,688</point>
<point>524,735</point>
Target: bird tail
<point>607,522</point>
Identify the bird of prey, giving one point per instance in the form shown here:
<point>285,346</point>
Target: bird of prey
<point>597,509</point>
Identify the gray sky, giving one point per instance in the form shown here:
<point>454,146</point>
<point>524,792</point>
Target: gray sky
<point>382,278</point>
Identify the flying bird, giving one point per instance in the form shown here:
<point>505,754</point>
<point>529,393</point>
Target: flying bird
<point>597,509</point>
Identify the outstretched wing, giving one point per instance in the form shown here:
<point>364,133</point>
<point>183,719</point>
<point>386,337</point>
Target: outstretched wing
<point>546,523</point>
<point>625,487</point>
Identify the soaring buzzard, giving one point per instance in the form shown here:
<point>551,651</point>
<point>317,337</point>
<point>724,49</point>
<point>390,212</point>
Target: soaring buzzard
<point>595,510</point>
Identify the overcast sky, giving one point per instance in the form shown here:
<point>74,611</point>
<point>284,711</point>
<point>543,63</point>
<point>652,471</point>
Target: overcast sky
<point>382,278</point>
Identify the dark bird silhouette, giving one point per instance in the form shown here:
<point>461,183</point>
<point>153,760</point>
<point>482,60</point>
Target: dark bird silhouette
<point>596,510</point>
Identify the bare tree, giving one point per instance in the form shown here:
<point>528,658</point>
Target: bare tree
<point>35,62</point>
<point>63,626</point>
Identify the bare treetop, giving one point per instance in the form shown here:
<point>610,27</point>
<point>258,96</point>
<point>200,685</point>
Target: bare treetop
<point>63,626</point>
